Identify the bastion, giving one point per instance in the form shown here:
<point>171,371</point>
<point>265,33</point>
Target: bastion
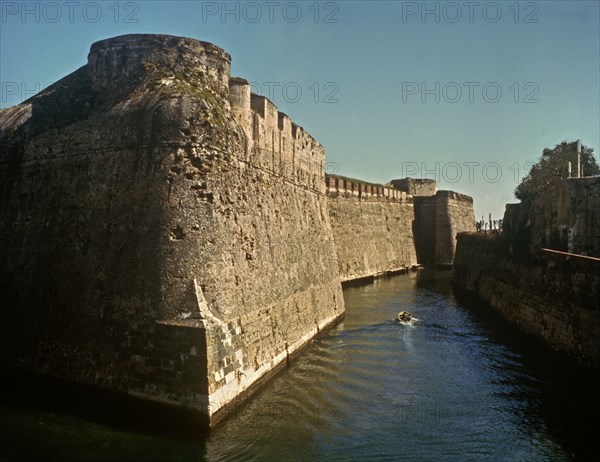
<point>439,217</point>
<point>543,272</point>
<point>163,232</point>
<point>167,234</point>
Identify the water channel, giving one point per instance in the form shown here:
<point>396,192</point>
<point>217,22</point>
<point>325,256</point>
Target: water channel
<point>456,384</point>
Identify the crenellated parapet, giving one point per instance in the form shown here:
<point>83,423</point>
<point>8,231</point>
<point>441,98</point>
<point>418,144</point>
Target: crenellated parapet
<point>163,232</point>
<point>167,234</point>
<point>372,228</point>
<point>273,141</point>
<point>336,184</point>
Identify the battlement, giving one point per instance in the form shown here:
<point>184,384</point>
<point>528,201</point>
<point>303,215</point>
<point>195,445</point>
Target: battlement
<point>342,185</point>
<point>453,195</point>
<point>223,257</point>
<point>416,186</point>
<point>273,141</point>
<point>224,226</point>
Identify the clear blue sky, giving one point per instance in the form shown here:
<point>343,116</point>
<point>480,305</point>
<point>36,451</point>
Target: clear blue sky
<point>370,74</point>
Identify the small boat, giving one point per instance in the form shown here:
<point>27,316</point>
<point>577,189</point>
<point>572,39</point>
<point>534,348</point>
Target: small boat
<point>404,316</point>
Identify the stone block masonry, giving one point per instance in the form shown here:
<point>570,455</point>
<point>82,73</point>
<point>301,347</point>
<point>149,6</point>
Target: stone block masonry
<point>162,232</point>
<point>438,219</point>
<point>565,218</point>
<point>167,234</point>
<point>552,297</point>
<point>372,228</point>
<point>416,186</point>
<point>543,272</point>
<point>439,216</point>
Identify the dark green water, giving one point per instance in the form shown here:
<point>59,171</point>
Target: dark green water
<point>458,385</point>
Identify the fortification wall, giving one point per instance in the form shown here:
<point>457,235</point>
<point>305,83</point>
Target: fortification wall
<point>566,218</point>
<point>416,186</point>
<point>454,214</point>
<point>372,228</point>
<point>553,298</point>
<point>148,244</point>
<point>584,215</point>
<point>274,142</point>
<point>439,219</point>
<point>424,229</point>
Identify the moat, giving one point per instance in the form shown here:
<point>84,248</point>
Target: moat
<point>455,385</point>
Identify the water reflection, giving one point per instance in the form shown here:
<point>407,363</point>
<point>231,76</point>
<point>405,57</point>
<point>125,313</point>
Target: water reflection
<point>459,384</point>
<point>453,386</point>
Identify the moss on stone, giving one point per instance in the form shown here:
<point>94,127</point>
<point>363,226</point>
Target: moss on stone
<point>192,82</point>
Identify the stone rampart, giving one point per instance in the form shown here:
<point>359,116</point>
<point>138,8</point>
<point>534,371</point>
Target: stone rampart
<point>275,143</point>
<point>439,219</point>
<point>372,228</point>
<point>416,186</point>
<point>565,218</point>
<point>541,273</point>
<point>340,185</point>
<point>148,243</point>
<point>553,297</point>
<point>167,234</point>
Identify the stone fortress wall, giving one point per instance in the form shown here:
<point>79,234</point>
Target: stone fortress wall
<point>149,245</point>
<point>552,298</point>
<point>416,186</point>
<point>381,229</point>
<point>337,185</point>
<point>372,228</point>
<point>275,143</point>
<point>565,218</point>
<point>439,217</point>
<point>167,234</point>
<point>551,295</point>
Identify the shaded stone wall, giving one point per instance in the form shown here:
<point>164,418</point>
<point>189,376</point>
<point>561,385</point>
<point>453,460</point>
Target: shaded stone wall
<point>567,218</point>
<point>553,298</point>
<point>416,186</point>
<point>454,214</point>
<point>148,243</point>
<point>424,229</point>
<point>438,220</point>
<point>372,228</point>
<point>584,215</point>
<point>167,234</point>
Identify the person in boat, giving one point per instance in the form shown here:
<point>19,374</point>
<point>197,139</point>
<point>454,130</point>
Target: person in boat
<point>404,316</point>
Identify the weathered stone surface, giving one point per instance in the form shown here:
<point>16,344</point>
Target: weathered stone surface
<point>168,234</point>
<point>154,239</point>
<point>438,219</point>
<point>565,218</point>
<point>372,228</point>
<point>416,186</point>
<point>553,298</point>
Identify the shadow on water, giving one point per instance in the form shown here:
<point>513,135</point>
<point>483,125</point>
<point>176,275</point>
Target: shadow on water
<point>49,419</point>
<point>561,397</point>
<point>459,384</point>
<point>435,280</point>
